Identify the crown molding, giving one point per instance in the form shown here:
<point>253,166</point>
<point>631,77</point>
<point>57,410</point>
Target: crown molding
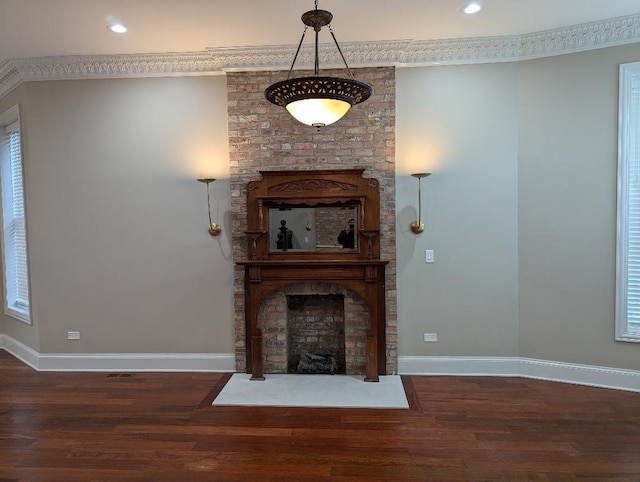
<point>114,66</point>
<point>14,72</point>
<point>9,78</point>
<point>399,53</point>
<point>589,36</point>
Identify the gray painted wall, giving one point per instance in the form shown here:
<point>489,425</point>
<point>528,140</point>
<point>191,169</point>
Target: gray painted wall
<point>461,124</point>
<point>567,208</point>
<point>520,211</point>
<point>117,222</point>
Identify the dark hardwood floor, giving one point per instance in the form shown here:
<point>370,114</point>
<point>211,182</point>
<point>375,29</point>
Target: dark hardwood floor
<point>161,426</point>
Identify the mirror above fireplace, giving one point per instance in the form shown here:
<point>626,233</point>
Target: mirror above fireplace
<point>319,228</point>
<point>318,214</point>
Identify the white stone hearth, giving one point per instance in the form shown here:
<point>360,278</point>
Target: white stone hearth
<point>328,391</point>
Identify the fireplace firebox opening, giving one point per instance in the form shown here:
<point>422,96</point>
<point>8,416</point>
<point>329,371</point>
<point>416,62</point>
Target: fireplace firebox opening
<point>316,334</point>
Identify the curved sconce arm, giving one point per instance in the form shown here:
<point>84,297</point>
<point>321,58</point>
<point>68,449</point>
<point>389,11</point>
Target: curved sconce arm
<point>214,228</point>
<point>418,226</point>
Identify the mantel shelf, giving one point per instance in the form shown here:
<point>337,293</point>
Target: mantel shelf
<point>312,262</point>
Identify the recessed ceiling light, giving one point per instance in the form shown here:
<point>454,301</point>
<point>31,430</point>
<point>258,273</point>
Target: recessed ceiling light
<point>472,8</point>
<point>117,28</point>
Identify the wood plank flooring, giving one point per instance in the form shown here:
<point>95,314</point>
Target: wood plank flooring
<point>162,427</point>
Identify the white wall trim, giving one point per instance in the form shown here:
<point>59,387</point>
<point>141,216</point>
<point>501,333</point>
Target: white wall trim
<point>216,61</point>
<point>20,351</point>
<point>119,362</point>
<point>595,376</point>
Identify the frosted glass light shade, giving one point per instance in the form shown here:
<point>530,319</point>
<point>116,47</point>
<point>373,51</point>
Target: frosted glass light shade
<point>318,101</point>
<point>318,112</point>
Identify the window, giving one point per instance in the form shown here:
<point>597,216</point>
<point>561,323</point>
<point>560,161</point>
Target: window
<point>16,273</point>
<point>628,234</point>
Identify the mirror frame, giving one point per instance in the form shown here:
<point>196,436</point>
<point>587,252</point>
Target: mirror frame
<point>312,188</point>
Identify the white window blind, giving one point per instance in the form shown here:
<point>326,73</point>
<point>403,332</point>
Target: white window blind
<point>16,273</point>
<point>628,242</point>
<point>17,231</point>
<point>633,274</point>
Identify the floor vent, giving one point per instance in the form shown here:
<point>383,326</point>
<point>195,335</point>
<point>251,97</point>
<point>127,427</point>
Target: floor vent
<point>119,375</point>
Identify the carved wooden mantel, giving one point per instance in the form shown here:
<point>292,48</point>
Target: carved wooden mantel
<point>360,270</point>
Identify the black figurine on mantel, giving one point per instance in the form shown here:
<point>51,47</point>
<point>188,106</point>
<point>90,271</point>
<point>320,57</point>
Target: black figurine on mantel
<point>285,236</point>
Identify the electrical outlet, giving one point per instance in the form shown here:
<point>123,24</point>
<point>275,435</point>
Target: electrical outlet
<point>73,335</point>
<point>430,337</point>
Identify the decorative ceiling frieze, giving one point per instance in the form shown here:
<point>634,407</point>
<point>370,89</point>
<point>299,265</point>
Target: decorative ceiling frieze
<point>400,53</point>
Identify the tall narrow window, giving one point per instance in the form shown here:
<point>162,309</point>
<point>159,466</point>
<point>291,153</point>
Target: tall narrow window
<point>628,235</point>
<point>14,252</point>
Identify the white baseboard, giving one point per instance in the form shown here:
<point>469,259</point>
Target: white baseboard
<point>119,362</point>
<point>20,350</point>
<point>595,376</point>
<point>204,362</point>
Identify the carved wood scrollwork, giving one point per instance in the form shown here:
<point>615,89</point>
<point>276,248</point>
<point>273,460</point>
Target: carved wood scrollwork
<point>310,186</point>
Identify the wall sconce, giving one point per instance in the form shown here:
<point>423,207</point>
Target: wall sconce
<point>418,226</point>
<point>214,228</point>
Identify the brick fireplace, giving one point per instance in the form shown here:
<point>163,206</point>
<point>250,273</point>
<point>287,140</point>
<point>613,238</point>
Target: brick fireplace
<point>264,137</point>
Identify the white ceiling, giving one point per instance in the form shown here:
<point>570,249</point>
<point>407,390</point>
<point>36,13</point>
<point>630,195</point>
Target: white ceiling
<point>39,28</point>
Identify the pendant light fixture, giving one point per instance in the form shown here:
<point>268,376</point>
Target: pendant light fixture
<point>318,101</point>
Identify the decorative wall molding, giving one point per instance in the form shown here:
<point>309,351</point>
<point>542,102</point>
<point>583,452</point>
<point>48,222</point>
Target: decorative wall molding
<point>605,33</point>
<point>14,72</point>
<point>10,78</point>
<point>114,66</point>
<point>594,376</point>
<point>279,57</point>
<point>400,53</point>
<point>127,362</point>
